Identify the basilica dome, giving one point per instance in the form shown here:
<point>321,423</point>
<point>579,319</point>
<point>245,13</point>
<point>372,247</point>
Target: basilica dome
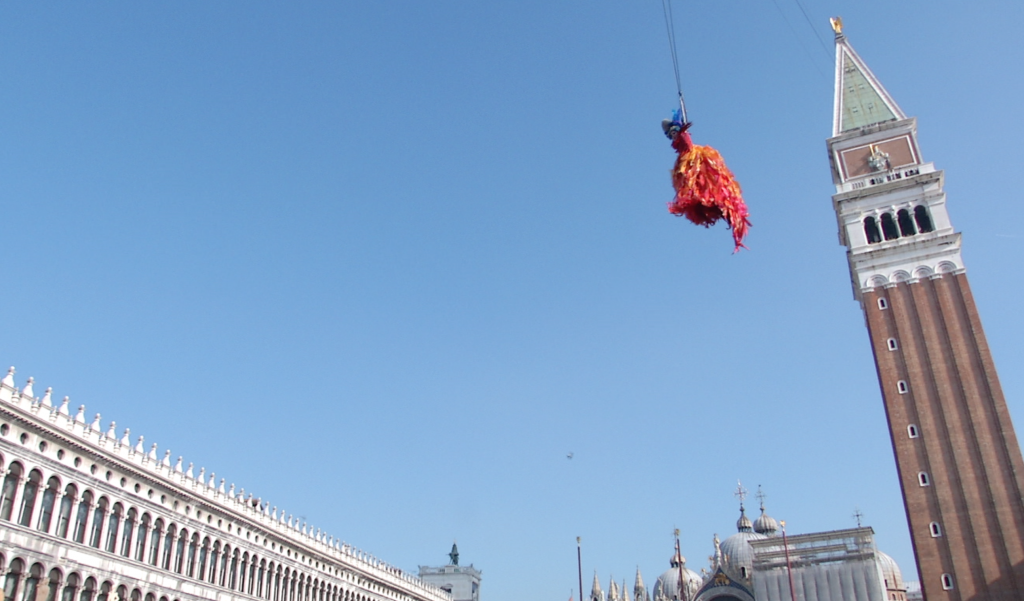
<point>667,586</point>
<point>890,571</point>
<point>737,553</point>
<point>765,524</point>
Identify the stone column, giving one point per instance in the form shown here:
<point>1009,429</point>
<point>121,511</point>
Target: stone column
<point>43,589</point>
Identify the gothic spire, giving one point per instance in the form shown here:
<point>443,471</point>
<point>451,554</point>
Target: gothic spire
<point>596,594</point>
<point>639,590</point>
<point>860,99</point>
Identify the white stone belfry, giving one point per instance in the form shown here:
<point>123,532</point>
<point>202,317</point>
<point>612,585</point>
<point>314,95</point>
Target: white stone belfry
<point>890,204</point>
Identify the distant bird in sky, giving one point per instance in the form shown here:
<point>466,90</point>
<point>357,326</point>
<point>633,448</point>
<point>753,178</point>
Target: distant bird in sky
<point>569,456</point>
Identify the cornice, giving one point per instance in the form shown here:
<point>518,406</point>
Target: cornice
<point>78,436</point>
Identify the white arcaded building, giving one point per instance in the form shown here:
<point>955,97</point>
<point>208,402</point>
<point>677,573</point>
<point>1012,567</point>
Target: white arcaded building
<point>87,515</point>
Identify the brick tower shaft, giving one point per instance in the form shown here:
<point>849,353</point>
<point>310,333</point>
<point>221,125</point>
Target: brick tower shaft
<point>959,462</point>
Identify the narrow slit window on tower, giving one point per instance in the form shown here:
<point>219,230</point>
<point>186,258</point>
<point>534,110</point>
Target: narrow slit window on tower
<point>891,343</point>
<point>901,387</point>
<point>889,228</point>
<point>906,223</point>
<point>923,219</point>
<point>935,529</point>
<point>883,304</point>
<point>912,431</point>
<point>947,582</point>
<point>923,479</point>
<point>871,230</point>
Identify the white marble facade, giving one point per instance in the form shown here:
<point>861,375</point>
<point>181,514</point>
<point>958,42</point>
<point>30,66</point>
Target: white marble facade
<point>86,515</point>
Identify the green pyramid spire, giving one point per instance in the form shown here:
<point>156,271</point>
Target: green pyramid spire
<point>860,99</point>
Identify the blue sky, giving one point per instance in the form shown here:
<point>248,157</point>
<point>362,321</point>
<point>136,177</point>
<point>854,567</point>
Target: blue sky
<point>386,264</point>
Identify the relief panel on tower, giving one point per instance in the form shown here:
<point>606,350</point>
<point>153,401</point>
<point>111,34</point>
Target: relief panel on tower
<point>879,157</point>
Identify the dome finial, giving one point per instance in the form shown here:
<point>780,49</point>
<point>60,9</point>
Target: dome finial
<point>743,524</point>
<point>765,524</point>
<point>741,493</point>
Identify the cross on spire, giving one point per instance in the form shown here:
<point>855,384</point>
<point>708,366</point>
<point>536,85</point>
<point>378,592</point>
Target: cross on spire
<point>741,493</point>
<point>761,497</point>
<point>857,515</point>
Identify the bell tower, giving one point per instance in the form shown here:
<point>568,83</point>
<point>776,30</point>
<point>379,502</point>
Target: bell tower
<point>957,455</point>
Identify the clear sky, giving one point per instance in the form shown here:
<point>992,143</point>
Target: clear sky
<point>385,264</point>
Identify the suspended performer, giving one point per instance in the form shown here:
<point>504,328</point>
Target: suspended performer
<point>706,190</point>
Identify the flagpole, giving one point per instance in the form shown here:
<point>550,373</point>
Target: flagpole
<point>789,565</point>
<point>683,592</point>
<point>579,566</point>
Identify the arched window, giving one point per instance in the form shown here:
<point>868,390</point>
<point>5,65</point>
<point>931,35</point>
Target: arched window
<point>64,515</point>
<point>53,584</point>
<point>891,344</point>
<point>923,480</point>
<point>935,529</point>
<point>165,561</point>
<point>89,590</point>
<point>70,588</point>
<point>154,545</point>
<point>49,498</point>
<point>140,539</point>
<point>223,570</point>
<point>112,528</point>
<point>104,593</point>
<point>28,498</point>
<point>8,491</point>
<point>203,551</point>
<point>190,560</point>
<point>912,431</point>
<point>179,551</point>
<point>13,576</point>
<point>947,582</point>
<point>901,387</point>
<point>82,518</point>
<point>136,595</point>
<point>233,584</point>
<point>32,582</point>
<point>889,229</point>
<point>98,515</point>
<point>906,223</point>
<point>923,219</point>
<point>121,594</point>
<point>150,597</point>
<point>243,572</point>
<point>129,529</point>
<point>214,556</point>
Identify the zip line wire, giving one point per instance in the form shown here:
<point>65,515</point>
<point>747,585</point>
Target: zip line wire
<point>670,27</point>
<point>824,46</point>
<point>800,41</point>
